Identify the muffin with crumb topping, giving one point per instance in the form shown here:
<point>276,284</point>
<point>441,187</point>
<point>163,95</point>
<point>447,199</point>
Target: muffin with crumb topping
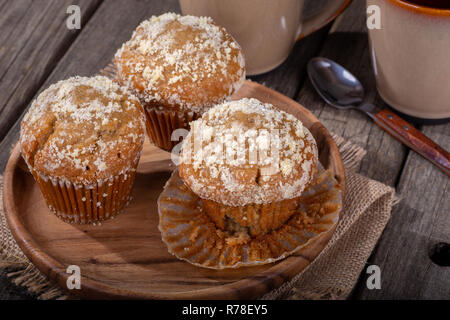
<point>179,66</point>
<point>82,139</point>
<point>249,163</point>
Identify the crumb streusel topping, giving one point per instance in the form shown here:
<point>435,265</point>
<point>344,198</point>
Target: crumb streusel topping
<point>83,130</point>
<point>182,62</point>
<point>247,152</point>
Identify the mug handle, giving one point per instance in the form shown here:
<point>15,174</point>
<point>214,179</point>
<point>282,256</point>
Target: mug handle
<point>325,15</point>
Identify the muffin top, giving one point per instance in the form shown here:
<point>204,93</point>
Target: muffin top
<point>83,130</point>
<point>247,152</point>
<point>183,63</point>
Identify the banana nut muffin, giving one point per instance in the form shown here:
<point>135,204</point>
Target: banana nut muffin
<point>81,140</point>
<point>249,163</point>
<point>179,66</point>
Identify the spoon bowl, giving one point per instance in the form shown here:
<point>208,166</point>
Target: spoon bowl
<point>335,84</point>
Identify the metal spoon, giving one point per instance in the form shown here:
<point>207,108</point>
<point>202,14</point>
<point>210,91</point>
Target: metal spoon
<point>341,89</point>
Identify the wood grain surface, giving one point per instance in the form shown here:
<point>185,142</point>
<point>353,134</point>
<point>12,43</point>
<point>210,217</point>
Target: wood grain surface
<point>125,257</point>
<point>33,38</point>
<point>418,222</point>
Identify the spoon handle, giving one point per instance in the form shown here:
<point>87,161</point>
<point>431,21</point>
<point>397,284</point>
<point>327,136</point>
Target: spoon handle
<point>413,138</point>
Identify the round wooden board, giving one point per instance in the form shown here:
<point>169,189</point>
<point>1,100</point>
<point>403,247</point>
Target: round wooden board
<point>125,257</point>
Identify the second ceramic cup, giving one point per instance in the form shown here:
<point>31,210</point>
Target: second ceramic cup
<point>410,55</point>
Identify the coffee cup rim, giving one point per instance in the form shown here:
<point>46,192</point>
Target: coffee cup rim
<point>421,9</point>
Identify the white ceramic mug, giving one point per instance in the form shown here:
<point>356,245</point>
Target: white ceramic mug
<point>266,29</point>
<point>411,57</point>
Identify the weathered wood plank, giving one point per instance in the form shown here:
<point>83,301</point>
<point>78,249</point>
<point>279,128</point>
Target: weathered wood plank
<point>420,221</point>
<point>33,38</point>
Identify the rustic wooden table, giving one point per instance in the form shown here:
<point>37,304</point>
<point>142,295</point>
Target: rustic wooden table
<point>37,49</point>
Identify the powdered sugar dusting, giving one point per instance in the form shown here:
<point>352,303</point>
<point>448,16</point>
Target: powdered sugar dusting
<point>247,152</point>
<point>170,49</point>
<point>83,128</point>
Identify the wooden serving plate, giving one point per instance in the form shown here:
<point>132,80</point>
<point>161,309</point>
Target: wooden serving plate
<point>125,257</point>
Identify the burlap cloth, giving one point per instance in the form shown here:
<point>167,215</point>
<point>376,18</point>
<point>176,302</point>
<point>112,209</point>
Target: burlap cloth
<point>332,275</point>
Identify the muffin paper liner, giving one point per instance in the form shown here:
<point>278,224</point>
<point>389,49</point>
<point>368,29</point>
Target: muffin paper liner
<point>86,204</point>
<point>191,235</point>
<point>259,219</point>
<point>161,124</point>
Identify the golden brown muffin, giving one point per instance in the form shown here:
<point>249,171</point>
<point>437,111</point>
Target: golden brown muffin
<point>81,140</point>
<point>179,66</point>
<point>249,163</point>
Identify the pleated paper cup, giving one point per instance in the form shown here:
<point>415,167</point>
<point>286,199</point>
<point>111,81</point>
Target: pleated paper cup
<point>161,124</point>
<point>258,219</point>
<point>86,204</point>
<point>191,235</point>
